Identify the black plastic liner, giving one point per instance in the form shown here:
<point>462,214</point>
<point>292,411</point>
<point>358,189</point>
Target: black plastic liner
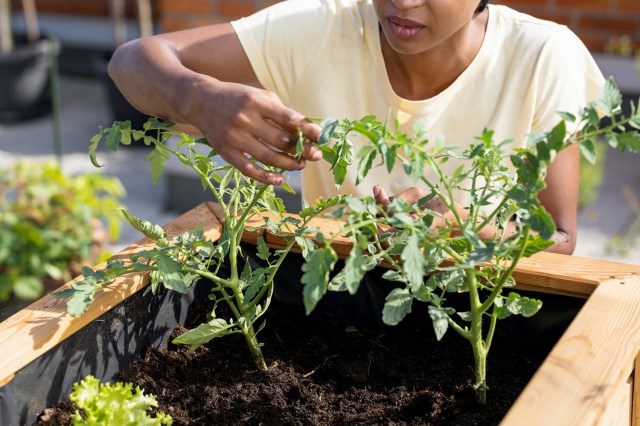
<point>102,348</point>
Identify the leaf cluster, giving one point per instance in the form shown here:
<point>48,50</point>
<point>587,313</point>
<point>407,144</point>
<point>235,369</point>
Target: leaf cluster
<point>180,263</point>
<point>114,404</point>
<point>502,189</point>
<point>49,221</point>
<point>432,251</point>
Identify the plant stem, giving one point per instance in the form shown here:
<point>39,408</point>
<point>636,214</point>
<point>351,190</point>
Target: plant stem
<point>497,289</point>
<point>475,338</point>
<point>254,347</point>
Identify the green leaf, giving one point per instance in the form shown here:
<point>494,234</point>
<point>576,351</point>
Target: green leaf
<point>256,281</point>
<point>610,97</point>
<point>53,271</point>
<point>397,305</point>
<point>114,404</point>
<point>170,275</point>
<point>465,316</point>
<point>629,141</point>
<point>158,161</point>
<point>154,232</point>
<point>307,245</point>
<point>541,221</point>
<point>68,292</point>
<point>588,150</point>
<point>203,333</point>
<point>514,304</point>
<point>112,141</point>
<point>355,267</point>
<point>480,255</point>
<point>440,321</point>
<point>536,244</point>
<point>423,294</point>
<point>263,249</point>
<point>413,261</point>
<point>367,154</point>
<point>566,116</point>
<point>450,281</point>
<point>82,297</point>
<point>392,275</point>
<point>556,136</point>
<point>328,127</point>
<point>315,276</point>
<point>524,306</point>
<point>338,282</point>
<point>93,148</point>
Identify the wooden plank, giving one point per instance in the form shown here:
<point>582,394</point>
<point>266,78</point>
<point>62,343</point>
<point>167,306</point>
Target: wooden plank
<point>249,236</point>
<point>635,403</point>
<point>570,275</point>
<point>45,323</point>
<point>593,358</point>
<point>544,272</point>
<point>618,411</point>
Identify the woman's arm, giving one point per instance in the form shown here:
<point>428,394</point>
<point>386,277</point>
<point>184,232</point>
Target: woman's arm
<point>202,78</point>
<point>560,198</point>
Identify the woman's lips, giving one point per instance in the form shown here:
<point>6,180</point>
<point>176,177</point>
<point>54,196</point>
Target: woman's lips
<point>404,28</point>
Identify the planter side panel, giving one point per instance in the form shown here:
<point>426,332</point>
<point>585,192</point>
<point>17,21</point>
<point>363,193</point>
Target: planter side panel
<point>102,349</point>
<point>585,378</point>
<point>619,409</point>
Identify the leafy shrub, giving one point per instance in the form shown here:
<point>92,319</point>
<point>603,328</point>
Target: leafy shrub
<point>51,223</point>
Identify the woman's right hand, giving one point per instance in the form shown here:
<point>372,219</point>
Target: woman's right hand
<point>241,121</point>
<point>202,78</point>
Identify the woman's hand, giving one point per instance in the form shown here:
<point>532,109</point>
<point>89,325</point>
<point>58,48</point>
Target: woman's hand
<point>255,122</point>
<point>412,195</point>
<point>202,79</point>
<point>443,216</point>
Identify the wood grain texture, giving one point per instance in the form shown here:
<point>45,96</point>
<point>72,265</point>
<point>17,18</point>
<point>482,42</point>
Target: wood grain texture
<point>619,407</point>
<point>586,368</point>
<point>544,272</point>
<point>635,407</point>
<point>45,323</point>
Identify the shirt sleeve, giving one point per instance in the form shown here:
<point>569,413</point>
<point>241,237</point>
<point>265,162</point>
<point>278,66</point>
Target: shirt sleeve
<point>568,79</point>
<point>281,41</point>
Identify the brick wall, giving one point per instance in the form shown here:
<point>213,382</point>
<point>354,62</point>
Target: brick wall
<point>81,7</point>
<point>179,14</point>
<point>595,21</point>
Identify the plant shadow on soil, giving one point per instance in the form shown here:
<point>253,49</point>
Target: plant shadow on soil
<point>322,372</point>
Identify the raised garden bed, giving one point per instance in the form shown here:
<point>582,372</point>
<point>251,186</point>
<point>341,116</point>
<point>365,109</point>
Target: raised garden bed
<point>589,377</point>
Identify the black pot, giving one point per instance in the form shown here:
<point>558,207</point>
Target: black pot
<point>25,79</point>
<point>121,109</point>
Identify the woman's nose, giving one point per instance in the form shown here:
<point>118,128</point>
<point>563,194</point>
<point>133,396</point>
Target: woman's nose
<point>407,4</point>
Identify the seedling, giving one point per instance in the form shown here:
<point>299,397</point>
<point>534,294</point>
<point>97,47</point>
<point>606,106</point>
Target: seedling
<point>431,254</point>
<point>114,404</point>
<point>179,263</point>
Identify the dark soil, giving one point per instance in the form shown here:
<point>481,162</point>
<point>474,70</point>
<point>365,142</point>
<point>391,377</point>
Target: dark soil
<point>324,373</point>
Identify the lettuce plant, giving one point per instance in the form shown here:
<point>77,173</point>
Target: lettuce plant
<point>114,404</point>
<point>429,261</point>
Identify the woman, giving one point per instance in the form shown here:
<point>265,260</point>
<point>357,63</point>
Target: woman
<point>457,65</point>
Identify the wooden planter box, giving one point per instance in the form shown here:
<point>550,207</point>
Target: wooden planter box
<point>592,375</point>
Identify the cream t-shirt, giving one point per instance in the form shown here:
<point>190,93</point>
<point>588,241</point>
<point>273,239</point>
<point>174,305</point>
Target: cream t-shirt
<point>323,58</point>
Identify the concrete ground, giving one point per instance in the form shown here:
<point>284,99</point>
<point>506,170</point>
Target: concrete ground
<point>85,109</point>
